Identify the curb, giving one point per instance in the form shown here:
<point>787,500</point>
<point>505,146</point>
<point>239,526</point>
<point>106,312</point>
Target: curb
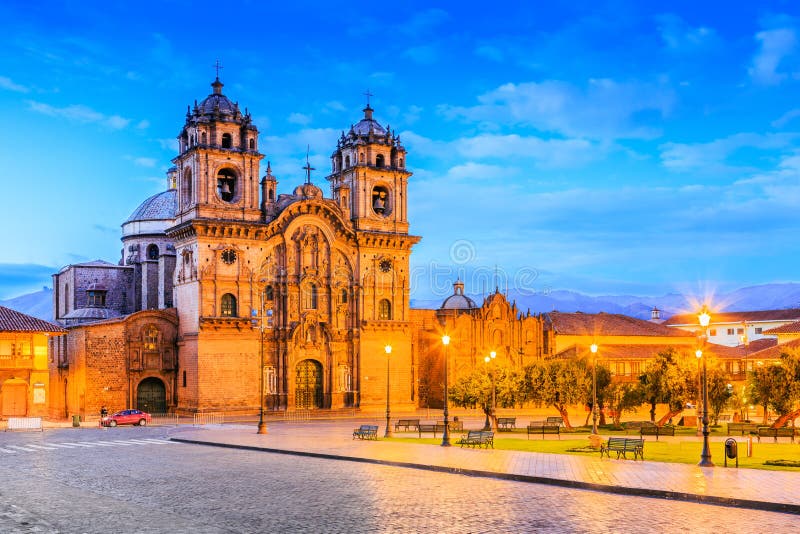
<point>766,506</point>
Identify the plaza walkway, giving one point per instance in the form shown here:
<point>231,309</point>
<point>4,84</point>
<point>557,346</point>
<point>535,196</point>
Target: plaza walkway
<point>749,488</point>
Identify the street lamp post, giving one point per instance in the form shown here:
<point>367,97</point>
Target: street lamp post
<point>262,425</point>
<point>388,433</point>
<point>446,433</point>
<point>705,457</point>
<point>593,348</point>
<point>488,359</point>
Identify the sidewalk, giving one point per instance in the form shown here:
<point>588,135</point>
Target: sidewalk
<point>747,488</point>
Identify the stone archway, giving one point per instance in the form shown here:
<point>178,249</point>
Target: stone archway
<point>15,398</point>
<point>151,396</point>
<point>308,385</point>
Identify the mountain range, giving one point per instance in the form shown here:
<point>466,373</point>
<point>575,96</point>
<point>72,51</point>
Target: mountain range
<point>761,297</point>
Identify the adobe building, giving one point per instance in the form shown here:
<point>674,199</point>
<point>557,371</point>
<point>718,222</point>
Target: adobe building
<point>24,377</point>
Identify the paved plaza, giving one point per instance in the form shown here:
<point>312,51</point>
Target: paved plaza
<point>161,479</point>
<point>750,488</point>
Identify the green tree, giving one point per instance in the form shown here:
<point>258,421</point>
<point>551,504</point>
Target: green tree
<point>720,392</point>
<point>475,389</point>
<point>776,387</point>
<point>623,397</point>
<point>558,383</point>
<point>668,379</point>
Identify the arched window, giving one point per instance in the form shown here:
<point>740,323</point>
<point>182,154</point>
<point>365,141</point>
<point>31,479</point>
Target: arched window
<point>379,161</point>
<point>384,310</point>
<point>347,161</point>
<point>361,157</point>
<point>152,252</point>
<point>186,187</point>
<point>227,140</point>
<point>252,144</point>
<point>150,342</point>
<point>205,139</point>
<point>269,294</point>
<point>226,185</point>
<point>96,298</point>
<point>344,296</point>
<point>401,163</point>
<point>313,296</point>
<point>228,306</point>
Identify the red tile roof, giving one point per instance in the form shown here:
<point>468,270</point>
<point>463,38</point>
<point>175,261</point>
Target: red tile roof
<point>14,321</point>
<point>626,351</point>
<point>608,324</point>
<point>792,314</point>
<point>791,328</point>
<point>774,352</point>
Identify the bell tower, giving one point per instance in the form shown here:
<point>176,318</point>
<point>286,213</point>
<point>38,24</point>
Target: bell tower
<point>369,179</point>
<point>218,161</point>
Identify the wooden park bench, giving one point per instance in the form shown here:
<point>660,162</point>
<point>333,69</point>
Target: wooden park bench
<point>636,426</point>
<point>542,427</point>
<point>506,423</point>
<point>407,424</point>
<point>742,428</point>
<point>477,438</point>
<point>430,428</point>
<point>655,430</point>
<point>769,432</point>
<point>554,420</point>
<point>366,432</point>
<point>622,446</point>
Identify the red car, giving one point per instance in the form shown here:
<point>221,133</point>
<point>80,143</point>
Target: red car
<point>126,417</point>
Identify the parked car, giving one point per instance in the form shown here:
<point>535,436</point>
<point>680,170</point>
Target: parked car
<point>126,417</point>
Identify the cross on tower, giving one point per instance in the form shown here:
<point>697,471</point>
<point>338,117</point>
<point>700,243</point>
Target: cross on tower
<point>368,94</point>
<point>308,168</point>
<point>218,66</point>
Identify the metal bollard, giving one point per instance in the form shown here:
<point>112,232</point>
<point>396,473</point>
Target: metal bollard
<point>750,446</point>
<point>76,420</point>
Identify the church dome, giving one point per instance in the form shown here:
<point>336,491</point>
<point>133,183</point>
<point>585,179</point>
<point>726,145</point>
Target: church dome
<point>216,102</point>
<point>161,206</point>
<point>458,300</point>
<point>368,125</point>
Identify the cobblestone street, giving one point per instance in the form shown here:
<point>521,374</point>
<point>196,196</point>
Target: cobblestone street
<point>132,480</point>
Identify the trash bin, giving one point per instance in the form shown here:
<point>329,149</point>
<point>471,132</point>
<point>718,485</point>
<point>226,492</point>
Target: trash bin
<point>731,451</point>
<point>76,420</point>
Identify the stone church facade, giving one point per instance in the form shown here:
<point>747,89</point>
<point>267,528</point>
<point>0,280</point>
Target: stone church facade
<point>224,285</point>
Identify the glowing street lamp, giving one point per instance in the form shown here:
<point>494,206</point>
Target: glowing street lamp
<point>446,433</point>
<point>388,433</point>
<point>488,360</point>
<point>593,348</point>
<point>704,319</point>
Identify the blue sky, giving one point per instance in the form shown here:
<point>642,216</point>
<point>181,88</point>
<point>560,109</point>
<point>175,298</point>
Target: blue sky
<point>607,147</point>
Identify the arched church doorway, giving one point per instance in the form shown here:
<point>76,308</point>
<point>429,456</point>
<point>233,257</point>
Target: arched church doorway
<point>15,398</point>
<point>151,396</point>
<point>308,393</point>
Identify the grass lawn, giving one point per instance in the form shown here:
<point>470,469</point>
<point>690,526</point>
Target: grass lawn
<point>674,450</point>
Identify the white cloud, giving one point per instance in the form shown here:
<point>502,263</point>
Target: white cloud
<point>544,153</point>
<point>775,46</point>
<point>299,118</point>
<point>604,109</point>
<point>8,84</point>
<point>80,113</point>
<point>712,156</point>
<point>143,124</point>
<point>480,171</point>
<point>168,144</point>
<point>785,118</point>
<point>678,36</point>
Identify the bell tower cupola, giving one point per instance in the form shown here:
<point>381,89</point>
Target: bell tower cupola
<point>218,161</point>
<point>368,176</point>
